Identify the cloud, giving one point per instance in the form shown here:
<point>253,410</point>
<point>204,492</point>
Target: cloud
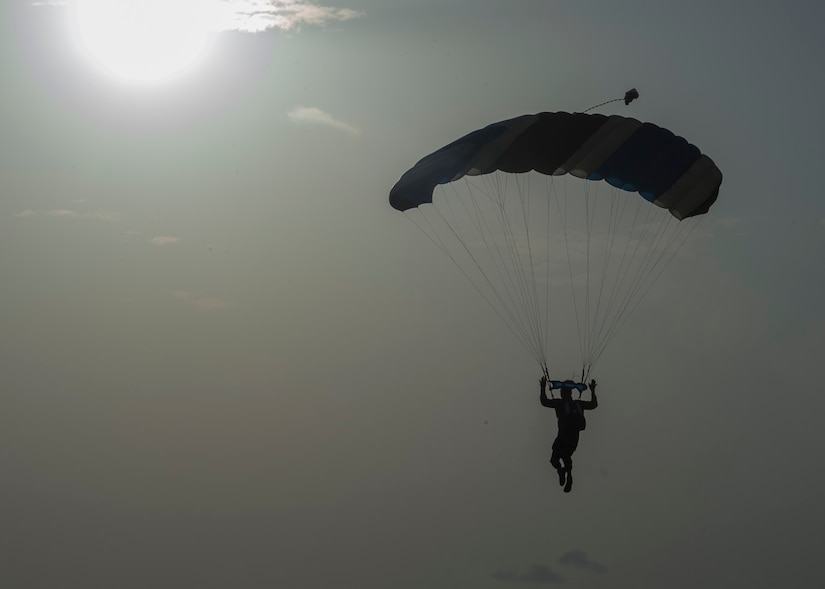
<point>164,240</point>
<point>537,573</point>
<point>315,116</point>
<point>61,213</point>
<point>103,215</point>
<point>578,558</point>
<point>99,215</point>
<point>254,16</point>
<point>202,304</point>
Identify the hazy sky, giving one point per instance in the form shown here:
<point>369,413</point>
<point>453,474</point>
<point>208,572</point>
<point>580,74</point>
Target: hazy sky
<point>227,362</point>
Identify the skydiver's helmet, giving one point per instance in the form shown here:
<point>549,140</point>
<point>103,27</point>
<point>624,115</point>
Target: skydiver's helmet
<point>567,389</point>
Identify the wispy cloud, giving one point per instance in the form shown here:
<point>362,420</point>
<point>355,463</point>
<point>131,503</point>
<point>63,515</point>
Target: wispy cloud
<point>164,240</point>
<point>99,215</point>
<point>61,213</point>
<point>254,16</point>
<point>579,559</point>
<point>202,304</point>
<point>103,215</point>
<point>537,573</point>
<point>311,115</point>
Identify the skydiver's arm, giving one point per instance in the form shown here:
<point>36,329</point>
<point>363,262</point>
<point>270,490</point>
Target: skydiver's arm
<point>594,401</point>
<point>545,401</point>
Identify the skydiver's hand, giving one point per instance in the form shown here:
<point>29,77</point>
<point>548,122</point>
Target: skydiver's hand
<point>593,384</point>
<point>543,382</point>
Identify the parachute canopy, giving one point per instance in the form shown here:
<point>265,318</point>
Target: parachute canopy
<point>637,157</point>
<point>493,203</point>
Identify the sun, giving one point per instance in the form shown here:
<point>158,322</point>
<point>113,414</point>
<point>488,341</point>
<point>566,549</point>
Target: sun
<point>142,41</point>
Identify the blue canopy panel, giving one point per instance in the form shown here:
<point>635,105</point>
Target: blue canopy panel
<point>649,162</point>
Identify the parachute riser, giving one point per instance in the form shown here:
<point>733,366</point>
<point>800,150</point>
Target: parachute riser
<point>546,372</point>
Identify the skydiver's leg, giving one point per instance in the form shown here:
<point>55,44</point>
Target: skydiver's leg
<point>555,460</point>
<point>568,467</point>
<point>570,446</point>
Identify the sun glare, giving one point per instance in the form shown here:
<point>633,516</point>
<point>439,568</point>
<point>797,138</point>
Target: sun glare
<point>142,40</point>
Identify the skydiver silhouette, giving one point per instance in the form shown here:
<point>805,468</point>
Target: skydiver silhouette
<point>570,415</point>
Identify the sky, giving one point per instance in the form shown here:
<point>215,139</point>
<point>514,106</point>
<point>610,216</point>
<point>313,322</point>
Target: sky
<point>228,362</point>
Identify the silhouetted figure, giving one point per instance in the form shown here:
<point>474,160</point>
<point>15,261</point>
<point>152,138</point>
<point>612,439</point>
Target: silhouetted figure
<point>570,414</point>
